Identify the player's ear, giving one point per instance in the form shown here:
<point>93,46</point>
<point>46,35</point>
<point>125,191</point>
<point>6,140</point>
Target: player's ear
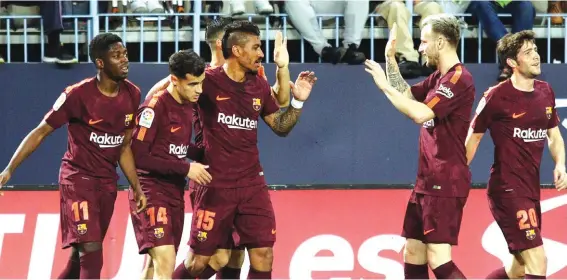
<point>218,44</point>
<point>236,51</point>
<point>511,62</point>
<point>99,63</point>
<point>174,80</point>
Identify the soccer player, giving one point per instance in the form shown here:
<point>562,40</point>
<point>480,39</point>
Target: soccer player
<point>234,98</point>
<point>99,112</point>
<point>520,114</point>
<point>442,105</point>
<point>227,261</point>
<point>162,141</point>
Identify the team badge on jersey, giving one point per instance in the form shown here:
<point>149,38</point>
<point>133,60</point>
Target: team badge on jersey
<point>158,232</point>
<point>530,234</point>
<point>82,228</point>
<point>128,119</point>
<point>548,111</point>
<point>256,104</point>
<point>147,118</point>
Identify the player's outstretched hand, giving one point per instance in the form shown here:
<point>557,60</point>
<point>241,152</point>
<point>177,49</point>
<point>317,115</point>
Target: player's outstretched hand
<point>281,55</point>
<point>377,73</point>
<point>303,85</point>
<point>560,178</point>
<point>390,51</point>
<point>199,174</point>
<point>141,200</point>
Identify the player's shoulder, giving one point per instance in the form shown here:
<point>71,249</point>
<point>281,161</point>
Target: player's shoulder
<point>458,75</point>
<point>133,88</point>
<point>543,85</point>
<point>155,101</point>
<point>80,87</point>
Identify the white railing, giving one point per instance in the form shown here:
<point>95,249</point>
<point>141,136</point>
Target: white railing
<point>168,29</point>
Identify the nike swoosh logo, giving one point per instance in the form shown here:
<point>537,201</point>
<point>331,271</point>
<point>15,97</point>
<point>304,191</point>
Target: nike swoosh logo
<point>91,122</point>
<point>427,231</point>
<point>174,129</point>
<point>222,98</point>
<point>515,116</point>
<point>273,231</point>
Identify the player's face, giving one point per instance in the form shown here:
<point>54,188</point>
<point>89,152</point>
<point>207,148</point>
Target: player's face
<point>190,87</point>
<point>251,54</point>
<point>528,60</point>
<point>116,63</point>
<point>428,46</point>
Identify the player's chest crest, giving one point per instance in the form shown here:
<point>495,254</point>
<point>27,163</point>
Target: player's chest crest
<point>178,131</point>
<point>108,118</point>
<point>242,106</point>
<point>529,113</point>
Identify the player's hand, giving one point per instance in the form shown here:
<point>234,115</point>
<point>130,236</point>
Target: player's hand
<point>377,73</point>
<point>560,178</point>
<point>281,55</point>
<point>390,51</point>
<point>199,174</point>
<point>303,85</point>
<point>4,177</point>
<point>141,200</point>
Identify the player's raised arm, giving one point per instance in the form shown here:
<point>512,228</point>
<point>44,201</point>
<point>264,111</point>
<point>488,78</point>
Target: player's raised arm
<point>282,122</point>
<point>392,70</point>
<point>281,57</point>
<point>415,110</point>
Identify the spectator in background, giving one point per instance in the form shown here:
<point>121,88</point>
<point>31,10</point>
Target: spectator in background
<point>395,11</point>
<point>302,14</point>
<point>53,26</point>
<point>263,7</point>
<point>147,6</point>
<point>523,16</point>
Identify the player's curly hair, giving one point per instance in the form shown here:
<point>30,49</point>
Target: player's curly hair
<point>214,28</point>
<point>100,44</point>
<point>509,46</point>
<point>186,62</point>
<point>446,25</point>
<point>235,34</point>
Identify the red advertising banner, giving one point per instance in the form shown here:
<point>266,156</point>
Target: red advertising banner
<point>320,234</point>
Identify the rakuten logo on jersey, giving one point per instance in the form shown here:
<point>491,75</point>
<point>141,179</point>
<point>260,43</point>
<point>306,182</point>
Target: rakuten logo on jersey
<point>179,151</point>
<point>530,135</point>
<point>106,140</point>
<point>236,122</point>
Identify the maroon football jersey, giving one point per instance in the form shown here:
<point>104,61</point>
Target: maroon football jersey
<point>162,141</point>
<point>229,112</point>
<point>96,128</point>
<point>442,169</point>
<point>518,122</point>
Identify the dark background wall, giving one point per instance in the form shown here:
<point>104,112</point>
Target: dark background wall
<point>348,134</point>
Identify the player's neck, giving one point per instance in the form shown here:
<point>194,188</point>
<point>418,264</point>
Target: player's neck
<point>234,71</point>
<point>107,86</point>
<point>171,90</point>
<point>216,59</point>
<point>522,83</point>
<point>447,62</point>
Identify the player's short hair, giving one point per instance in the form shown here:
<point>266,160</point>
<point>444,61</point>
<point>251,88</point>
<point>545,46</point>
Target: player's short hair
<point>236,33</point>
<point>186,62</point>
<point>100,44</point>
<point>509,46</point>
<point>214,28</point>
<point>446,25</point>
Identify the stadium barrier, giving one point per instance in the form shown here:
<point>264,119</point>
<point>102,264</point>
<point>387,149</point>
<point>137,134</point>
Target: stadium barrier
<point>322,234</point>
<point>169,28</point>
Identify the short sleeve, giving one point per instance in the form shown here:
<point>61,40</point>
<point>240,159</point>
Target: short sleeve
<point>420,90</point>
<point>197,126</point>
<point>136,98</point>
<point>66,107</point>
<point>484,114</point>
<point>552,111</point>
<point>270,106</point>
<point>451,92</point>
<point>147,121</point>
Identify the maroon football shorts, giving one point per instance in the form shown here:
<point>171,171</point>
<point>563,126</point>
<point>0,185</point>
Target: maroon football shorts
<point>161,223</point>
<point>218,212</point>
<point>519,218</point>
<point>86,210</point>
<point>433,219</point>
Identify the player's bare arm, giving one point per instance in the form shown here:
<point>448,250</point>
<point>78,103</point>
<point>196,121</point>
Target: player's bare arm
<point>415,110</point>
<point>557,150</point>
<point>392,70</point>
<point>281,57</point>
<point>26,148</point>
<point>128,166</point>
<point>282,122</point>
<point>471,144</point>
